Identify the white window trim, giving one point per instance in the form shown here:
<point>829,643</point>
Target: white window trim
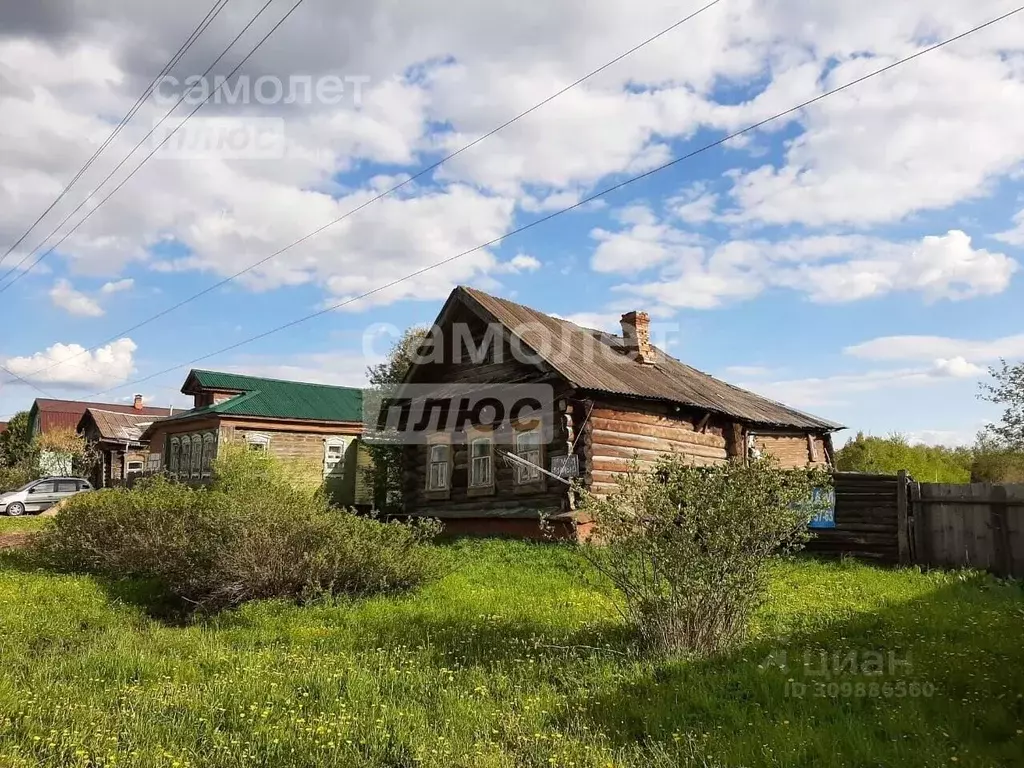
<point>335,441</point>
<point>206,460</point>
<point>258,438</point>
<point>444,471</point>
<point>529,475</point>
<point>196,467</point>
<point>183,467</point>
<point>488,460</point>
<point>174,456</point>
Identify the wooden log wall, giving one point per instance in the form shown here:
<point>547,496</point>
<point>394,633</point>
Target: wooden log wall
<point>616,434</point>
<point>867,518</point>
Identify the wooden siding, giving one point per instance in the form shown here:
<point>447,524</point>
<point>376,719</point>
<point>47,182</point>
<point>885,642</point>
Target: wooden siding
<point>793,450</point>
<point>617,433</point>
<point>867,518</point>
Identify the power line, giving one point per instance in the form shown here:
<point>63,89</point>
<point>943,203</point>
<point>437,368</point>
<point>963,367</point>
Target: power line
<point>212,14</point>
<point>24,381</point>
<point>398,186</point>
<point>591,198</point>
<point>156,149</point>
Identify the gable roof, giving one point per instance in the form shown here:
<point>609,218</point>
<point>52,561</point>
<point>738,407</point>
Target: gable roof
<point>274,398</point>
<point>65,414</point>
<point>117,427</point>
<point>573,354</point>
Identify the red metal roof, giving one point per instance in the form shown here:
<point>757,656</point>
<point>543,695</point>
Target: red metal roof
<point>3,426</point>
<point>65,414</point>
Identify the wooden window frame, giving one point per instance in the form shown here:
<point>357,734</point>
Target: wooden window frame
<point>480,489</point>
<point>209,440</point>
<point>335,441</point>
<point>173,455</point>
<point>538,483</point>
<point>439,494</point>
<point>183,469</point>
<point>257,441</point>
<point>196,469</point>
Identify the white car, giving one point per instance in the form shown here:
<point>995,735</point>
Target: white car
<point>40,495</point>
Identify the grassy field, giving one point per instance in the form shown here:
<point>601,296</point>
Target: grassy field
<point>513,659</point>
<point>23,524</point>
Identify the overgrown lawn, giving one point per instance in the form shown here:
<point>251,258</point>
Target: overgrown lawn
<point>514,658</point>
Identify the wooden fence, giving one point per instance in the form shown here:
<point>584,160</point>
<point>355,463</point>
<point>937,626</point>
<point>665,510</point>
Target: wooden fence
<point>891,519</point>
<point>867,518</point>
<point>979,525</point>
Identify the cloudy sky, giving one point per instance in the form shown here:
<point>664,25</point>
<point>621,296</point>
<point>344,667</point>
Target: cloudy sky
<point>859,259</point>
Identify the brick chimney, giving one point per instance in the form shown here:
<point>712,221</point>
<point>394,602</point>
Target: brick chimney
<point>636,330</point>
<point>137,405</point>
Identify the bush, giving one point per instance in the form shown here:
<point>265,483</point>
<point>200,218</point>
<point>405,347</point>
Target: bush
<point>16,476</point>
<point>688,547</point>
<point>250,535</point>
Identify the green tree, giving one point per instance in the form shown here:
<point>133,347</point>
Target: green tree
<point>16,441</point>
<point>1007,390</point>
<point>888,455</point>
<point>386,472</point>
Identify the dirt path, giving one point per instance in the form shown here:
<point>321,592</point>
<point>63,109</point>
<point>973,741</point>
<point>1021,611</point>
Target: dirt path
<point>14,540</point>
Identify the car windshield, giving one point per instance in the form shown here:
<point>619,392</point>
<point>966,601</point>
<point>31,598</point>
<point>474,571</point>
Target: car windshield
<point>25,487</point>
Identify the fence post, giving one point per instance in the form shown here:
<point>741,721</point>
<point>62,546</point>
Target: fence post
<point>902,540</point>
<point>1000,530</point>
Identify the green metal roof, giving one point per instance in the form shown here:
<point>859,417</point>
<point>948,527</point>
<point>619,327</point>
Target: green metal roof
<point>275,399</point>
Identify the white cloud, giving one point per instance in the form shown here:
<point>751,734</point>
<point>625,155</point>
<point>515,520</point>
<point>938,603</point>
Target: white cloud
<point>74,302</point>
<point>695,206</point>
<point>117,286</point>
<point>70,366</point>
<point>827,268</point>
<point>748,370</point>
<point>519,263</point>
<point>957,368</point>
<point>908,348</point>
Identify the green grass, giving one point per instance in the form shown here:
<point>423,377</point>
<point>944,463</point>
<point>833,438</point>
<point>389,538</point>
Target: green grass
<point>512,659</point>
<point>22,523</point>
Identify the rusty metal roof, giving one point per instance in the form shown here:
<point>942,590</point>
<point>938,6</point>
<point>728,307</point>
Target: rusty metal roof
<point>65,414</point>
<point>116,426</point>
<point>598,361</point>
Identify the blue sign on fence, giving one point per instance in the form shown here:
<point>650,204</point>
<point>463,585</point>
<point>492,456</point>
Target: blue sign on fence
<point>824,500</point>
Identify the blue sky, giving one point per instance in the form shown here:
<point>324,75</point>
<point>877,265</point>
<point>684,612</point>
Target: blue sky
<point>859,260</point>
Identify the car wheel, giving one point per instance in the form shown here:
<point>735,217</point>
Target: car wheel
<point>16,509</point>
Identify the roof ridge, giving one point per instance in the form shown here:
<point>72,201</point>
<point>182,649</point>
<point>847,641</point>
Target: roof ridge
<point>275,380</point>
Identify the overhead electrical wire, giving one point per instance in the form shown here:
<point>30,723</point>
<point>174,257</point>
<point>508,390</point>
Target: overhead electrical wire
<point>585,201</point>
<point>207,20</point>
<point>423,171</point>
<point>156,149</point>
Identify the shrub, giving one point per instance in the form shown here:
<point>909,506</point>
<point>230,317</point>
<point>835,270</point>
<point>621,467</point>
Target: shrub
<point>250,535</point>
<point>688,547</point>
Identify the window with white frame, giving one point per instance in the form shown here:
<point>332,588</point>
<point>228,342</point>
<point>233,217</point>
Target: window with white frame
<point>172,456</point>
<point>186,456</point>
<point>481,472</point>
<point>197,456</point>
<point>258,442</point>
<point>334,458</point>
<point>528,448</point>
<point>209,451</point>
<point>438,466</point>
<point>134,467</point>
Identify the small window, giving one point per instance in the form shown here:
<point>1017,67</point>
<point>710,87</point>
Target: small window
<point>528,448</point>
<point>209,451</point>
<point>172,458</point>
<point>197,455</point>
<point>135,466</point>
<point>480,474</point>
<point>186,457</point>
<point>84,485</point>
<point>46,487</point>
<point>334,457</point>
<point>258,442</point>
<point>437,474</point>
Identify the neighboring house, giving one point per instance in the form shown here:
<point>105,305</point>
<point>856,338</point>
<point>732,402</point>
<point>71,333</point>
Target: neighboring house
<point>3,427</point>
<point>47,415</point>
<point>118,439</point>
<point>615,399</point>
<point>314,426</point>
